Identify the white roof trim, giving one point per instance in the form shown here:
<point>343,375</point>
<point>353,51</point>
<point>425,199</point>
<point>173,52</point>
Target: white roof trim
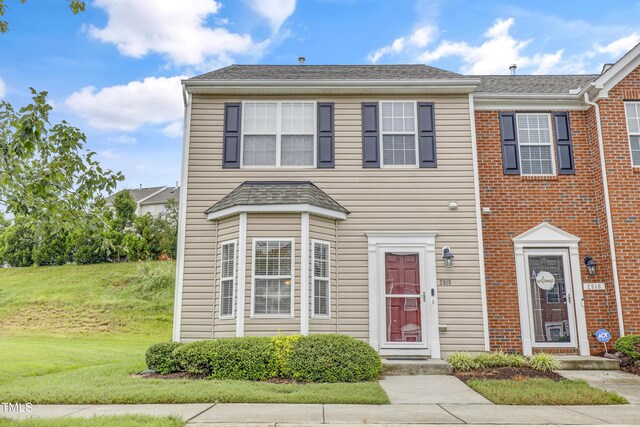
<point>545,233</point>
<point>281,208</point>
<point>618,71</point>
<point>528,101</point>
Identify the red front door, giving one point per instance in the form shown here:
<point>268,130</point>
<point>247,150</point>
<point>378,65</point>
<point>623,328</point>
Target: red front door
<point>402,297</point>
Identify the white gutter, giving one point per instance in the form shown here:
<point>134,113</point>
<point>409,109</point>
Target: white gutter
<point>476,190</point>
<point>182,218</point>
<point>605,184</point>
<point>329,83</point>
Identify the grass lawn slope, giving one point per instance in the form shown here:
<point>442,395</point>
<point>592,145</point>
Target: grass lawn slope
<point>75,334</point>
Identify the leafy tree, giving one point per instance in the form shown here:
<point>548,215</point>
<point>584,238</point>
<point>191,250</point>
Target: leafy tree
<point>47,176</point>
<point>76,7</point>
<point>51,246</point>
<point>16,245</point>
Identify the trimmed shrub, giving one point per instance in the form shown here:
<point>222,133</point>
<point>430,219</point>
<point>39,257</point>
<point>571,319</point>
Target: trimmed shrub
<point>543,362</point>
<point>629,345</point>
<point>500,359</point>
<point>159,357</point>
<point>283,345</point>
<point>333,358</point>
<point>463,362</point>
<point>247,358</point>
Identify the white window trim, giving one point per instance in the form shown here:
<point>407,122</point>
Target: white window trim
<point>551,144</point>
<point>313,279</point>
<point>629,133</point>
<point>279,134</point>
<point>253,277</point>
<point>414,133</point>
<point>233,242</point>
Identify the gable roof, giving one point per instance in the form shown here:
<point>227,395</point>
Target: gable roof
<point>328,72</point>
<point>137,194</point>
<point>275,193</point>
<point>169,193</point>
<point>531,84</point>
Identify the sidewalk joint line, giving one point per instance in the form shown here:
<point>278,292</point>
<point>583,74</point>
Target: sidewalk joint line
<point>79,410</point>
<point>200,413</point>
<point>592,416</point>
<point>453,415</point>
<point>324,420</point>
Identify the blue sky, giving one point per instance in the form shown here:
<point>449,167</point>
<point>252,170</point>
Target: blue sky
<point>114,70</point>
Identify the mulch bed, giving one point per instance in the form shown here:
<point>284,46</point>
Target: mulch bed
<point>506,374</point>
<point>628,364</point>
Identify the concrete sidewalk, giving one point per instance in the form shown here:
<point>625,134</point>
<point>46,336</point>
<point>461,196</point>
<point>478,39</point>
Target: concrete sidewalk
<point>271,414</point>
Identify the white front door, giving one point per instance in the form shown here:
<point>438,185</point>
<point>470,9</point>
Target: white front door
<point>403,296</point>
<point>550,299</point>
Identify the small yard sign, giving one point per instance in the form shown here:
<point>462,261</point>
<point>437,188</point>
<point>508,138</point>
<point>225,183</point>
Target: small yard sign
<point>593,286</point>
<point>603,335</point>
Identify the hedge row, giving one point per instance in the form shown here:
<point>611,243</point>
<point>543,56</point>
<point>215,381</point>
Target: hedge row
<point>629,345</point>
<point>467,362</point>
<point>315,358</point>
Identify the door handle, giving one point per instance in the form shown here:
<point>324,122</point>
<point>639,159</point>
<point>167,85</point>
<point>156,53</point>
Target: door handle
<point>424,296</point>
<point>569,298</point>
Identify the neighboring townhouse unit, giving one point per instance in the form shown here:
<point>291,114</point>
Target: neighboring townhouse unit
<point>418,209</point>
<point>320,199</point>
<point>152,200</point>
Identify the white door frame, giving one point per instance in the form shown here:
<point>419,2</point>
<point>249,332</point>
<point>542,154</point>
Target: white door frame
<point>425,245</point>
<point>569,294</point>
<point>546,236</point>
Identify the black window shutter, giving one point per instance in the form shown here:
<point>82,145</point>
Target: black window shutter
<point>326,138</point>
<point>564,146</point>
<point>426,135</point>
<point>231,143</point>
<point>370,135</point>
<point>509,136</point>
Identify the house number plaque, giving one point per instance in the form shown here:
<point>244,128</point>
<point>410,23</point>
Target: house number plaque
<point>593,286</point>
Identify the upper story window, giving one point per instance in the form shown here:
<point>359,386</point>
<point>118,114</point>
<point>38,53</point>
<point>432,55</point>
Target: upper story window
<point>279,134</point>
<point>534,141</point>
<point>633,127</point>
<point>398,120</point>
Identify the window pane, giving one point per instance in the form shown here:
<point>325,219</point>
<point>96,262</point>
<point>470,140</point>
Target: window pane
<point>228,258</point>
<point>260,118</point>
<point>297,118</point>
<point>226,298</point>
<point>536,160</point>
<point>259,150</point>
<point>633,117</point>
<point>297,150</point>
<point>635,149</point>
<point>533,129</point>
<point>321,297</point>
<point>272,296</point>
<point>399,150</point>
<point>398,117</point>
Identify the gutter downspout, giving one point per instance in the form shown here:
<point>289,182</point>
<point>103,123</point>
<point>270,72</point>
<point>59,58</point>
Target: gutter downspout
<point>605,184</point>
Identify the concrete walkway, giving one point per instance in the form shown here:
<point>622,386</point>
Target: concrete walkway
<point>623,383</point>
<point>426,414</point>
<point>421,389</point>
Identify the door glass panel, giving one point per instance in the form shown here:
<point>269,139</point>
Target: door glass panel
<point>402,298</point>
<point>549,299</point>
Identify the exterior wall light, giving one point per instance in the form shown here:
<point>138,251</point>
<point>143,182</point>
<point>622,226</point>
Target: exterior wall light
<point>447,256</point>
<point>591,265</point>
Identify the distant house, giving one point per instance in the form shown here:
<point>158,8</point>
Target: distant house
<point>151,200</point>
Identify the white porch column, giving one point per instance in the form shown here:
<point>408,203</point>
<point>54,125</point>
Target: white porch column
<point>242,272</point>
<point>581,317</point>
<point>304,274</point>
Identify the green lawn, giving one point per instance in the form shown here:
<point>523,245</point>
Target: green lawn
<point>543,391</point>
<point>75,334</point>
<point>120,421</point>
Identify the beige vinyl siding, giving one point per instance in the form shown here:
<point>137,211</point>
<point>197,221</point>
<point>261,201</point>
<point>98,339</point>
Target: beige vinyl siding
<point>228,229</point>
<point>384,199</point>
<point>270,226</point>
<point>324,229</point>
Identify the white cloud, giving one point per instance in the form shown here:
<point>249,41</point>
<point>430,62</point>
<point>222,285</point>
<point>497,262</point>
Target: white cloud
<point>123,139</point>
<point>176,29</point>
<point>620,46</point>
<point>173,130</point>
<point>109,154</point>
<point>155,100</point>
<point>276,11</point>
<point>3,88</point>
<point>418,39</point>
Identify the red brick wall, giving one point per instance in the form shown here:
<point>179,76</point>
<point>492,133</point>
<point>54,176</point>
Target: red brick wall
<point>624,195</point>
<point>573,203</point>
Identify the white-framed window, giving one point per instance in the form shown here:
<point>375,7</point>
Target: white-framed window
<point>535,144</point>
<point>321,296</point>
<point>553,295</point>
<point>279,134</point>
<point>398,124</point>
<point>228,279</point>
<point>632,110</point>
<point>272,283</point>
